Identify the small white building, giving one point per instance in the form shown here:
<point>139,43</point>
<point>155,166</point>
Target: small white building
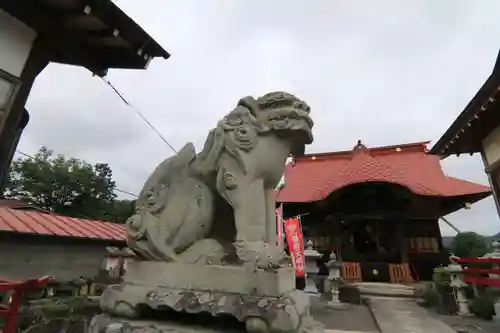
<point>94,34</point>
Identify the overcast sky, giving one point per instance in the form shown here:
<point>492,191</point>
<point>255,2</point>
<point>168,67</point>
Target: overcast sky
<point>385,72</point>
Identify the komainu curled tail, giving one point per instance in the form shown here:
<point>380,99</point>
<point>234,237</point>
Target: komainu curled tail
<point>172,212</point>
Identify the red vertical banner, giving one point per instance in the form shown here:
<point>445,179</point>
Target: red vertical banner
<point>279,226</point>
<point>295,241</point>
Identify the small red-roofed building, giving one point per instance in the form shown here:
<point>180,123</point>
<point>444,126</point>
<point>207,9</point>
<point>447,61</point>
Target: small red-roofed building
<point>36,243</point>
<point>377,207</point>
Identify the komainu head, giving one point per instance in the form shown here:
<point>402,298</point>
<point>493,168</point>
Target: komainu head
<point>284,114</point>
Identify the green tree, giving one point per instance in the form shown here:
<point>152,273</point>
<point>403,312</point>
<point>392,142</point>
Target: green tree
<point>469,244</point>
<point>66,186</point>
<point>121,210</point>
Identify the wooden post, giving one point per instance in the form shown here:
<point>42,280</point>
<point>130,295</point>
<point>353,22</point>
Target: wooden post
<point>402,241</point>
<point>494,187</point>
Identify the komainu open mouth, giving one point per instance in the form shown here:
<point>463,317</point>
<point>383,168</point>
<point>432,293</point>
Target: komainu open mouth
<point>292,119</point>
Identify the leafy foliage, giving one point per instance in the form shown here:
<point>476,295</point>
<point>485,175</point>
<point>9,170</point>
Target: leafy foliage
<point>430,298</point>
<point>67,186</point>
<point>121,210</point>
<point>469,244</point>
<point>483,307</point>
<point>69,314</point>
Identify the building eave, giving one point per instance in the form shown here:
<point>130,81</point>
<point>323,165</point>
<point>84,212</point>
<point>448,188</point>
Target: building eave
<point>451,141</point>
<point>94,34</point>
<point>107,11</point>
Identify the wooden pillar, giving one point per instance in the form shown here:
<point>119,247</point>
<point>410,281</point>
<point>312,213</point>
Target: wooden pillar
<point>336,232</point>
<point>338,246</point>
<point>17,116</point>
<point>402,240</point>
<point>494,186</point>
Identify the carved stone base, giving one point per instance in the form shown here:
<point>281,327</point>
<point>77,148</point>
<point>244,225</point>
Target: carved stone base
<point>259,313</point>
<point>107,324</point>
<point>264,300</point>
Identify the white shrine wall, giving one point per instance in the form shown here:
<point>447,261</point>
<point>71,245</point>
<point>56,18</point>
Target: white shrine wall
<point>16,40</point>
<point>491,146</point>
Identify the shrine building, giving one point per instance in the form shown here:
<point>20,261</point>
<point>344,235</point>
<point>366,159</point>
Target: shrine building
<point>377,207</point>
<point>93,34</point>
<point>477,130</point>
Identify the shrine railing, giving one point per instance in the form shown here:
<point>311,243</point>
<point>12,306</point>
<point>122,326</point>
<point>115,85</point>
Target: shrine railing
<point>476,275</point>
<point>397,273</point>
<point>9,311</point>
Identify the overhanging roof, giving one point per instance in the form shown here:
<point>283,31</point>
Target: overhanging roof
<point>477,120</point>
<point>313,177</point>
<point>94,34</point>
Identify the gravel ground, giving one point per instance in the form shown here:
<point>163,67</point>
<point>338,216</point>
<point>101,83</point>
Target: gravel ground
<point>351,318</point>
<point>467,324</point>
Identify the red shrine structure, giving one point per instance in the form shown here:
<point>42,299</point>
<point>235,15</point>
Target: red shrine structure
<point>377,207</point>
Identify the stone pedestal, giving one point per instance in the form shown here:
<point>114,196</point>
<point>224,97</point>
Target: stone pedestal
<point>225,279</point>
<point>264,300</point>
<point>107,324</point>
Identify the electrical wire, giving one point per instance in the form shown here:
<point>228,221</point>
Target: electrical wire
<point>143,117</point>
<point>116,189</point>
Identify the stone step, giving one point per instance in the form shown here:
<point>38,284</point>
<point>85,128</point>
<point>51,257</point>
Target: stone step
<point>397,315</point>
<point>386,289</point>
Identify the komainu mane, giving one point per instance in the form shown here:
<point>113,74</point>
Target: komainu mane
<point>219,206</point>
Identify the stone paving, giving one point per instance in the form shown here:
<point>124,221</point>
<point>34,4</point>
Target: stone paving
<point>352,318</point>
<point>469,324</point>
<point>399,315</point>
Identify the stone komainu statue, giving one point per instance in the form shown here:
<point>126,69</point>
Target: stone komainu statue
<point>219,206</point>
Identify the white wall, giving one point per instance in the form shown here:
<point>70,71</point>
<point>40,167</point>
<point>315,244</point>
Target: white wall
<point>16,40</point>
<point>491,146</point>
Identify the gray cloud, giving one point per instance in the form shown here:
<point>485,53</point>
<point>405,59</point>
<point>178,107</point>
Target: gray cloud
<point>386,72</point>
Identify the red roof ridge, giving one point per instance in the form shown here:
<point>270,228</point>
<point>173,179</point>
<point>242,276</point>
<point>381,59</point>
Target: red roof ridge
<point>314,176</point>
<point>379,149</point>
<point>392,176</point>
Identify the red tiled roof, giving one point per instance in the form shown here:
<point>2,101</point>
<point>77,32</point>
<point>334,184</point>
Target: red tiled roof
<point>42,223</point>
<point>313,177</point>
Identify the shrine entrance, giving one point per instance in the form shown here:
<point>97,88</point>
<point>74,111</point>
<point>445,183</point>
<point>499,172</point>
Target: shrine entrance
<point>374,228</point>
<point>370,242</point>
<point>378,208</point>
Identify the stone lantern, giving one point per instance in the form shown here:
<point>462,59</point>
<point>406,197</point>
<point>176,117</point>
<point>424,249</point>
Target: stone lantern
<point>457,282</point>
<point>334,279</point>
<point>495,254</point>
<point>311,269</point>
